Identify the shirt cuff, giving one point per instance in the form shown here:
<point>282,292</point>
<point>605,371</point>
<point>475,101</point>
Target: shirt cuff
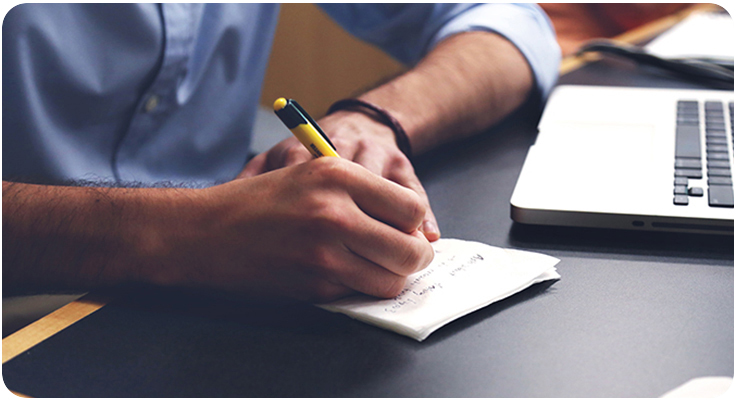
<point>526,26</point>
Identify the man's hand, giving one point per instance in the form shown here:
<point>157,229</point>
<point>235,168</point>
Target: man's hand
<point>315,231</point>
<point>358,138</point>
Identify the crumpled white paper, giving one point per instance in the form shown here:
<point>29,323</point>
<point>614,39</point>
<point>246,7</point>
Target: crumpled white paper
<point>463,277</point>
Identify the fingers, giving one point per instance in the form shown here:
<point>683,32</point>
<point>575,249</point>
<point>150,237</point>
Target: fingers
<point>355,270</point>
<point>286,153</point>
<point>400,171</point>
<point>404,175</point>
<point>398,252</point>
<point>379,198</point>
<point>369,278</point>
<point>375,261</point>
<point>376,227</point>
<point>397,168</point>
<point>255,166</point>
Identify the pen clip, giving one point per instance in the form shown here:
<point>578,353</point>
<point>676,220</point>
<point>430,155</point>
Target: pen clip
<point>314,124</point>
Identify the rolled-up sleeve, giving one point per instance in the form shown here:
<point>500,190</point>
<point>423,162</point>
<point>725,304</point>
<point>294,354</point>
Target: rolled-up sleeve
<point>408,31</point>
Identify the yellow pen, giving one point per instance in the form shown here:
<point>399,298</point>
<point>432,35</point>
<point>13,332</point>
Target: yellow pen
<point>304,128</point>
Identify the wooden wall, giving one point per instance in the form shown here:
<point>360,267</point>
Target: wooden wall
<point>315,62</point>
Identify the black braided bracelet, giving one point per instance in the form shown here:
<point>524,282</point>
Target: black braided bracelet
<point>379,114</point>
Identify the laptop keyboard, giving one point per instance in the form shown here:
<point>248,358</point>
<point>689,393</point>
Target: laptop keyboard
<point>692,118</point>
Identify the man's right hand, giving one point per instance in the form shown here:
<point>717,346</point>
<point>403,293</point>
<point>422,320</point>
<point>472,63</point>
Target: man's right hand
<point>315,231</point>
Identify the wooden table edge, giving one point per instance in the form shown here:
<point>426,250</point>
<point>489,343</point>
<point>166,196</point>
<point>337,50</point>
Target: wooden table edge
<point>56,321</point>
<point>637,35</point>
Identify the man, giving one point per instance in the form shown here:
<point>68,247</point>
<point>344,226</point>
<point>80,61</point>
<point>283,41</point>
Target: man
<point>139,94</point>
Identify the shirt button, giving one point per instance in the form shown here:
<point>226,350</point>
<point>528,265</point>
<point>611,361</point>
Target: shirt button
<point>151,104</point>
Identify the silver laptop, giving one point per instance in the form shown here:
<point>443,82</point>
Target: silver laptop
<point>631,158</point>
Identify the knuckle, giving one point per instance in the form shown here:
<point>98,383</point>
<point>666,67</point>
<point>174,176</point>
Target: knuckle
<point>417,207</point>
<point>322,259</point>
<point>401,162</point>
<point>342,144</point>
<point>330,169</point>
<point>330,218</point>
<point>428,256</point>
<point>365,145</point>
<point>412,260</point>
<point>417,258</point>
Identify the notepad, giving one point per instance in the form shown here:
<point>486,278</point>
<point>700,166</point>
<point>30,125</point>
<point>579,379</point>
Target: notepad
<point>463,277</point>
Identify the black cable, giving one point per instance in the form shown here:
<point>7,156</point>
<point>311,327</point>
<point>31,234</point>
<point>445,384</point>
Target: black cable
<point>692,68</point>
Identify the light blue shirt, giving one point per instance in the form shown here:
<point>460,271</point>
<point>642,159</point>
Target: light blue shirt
<point>168,92</point>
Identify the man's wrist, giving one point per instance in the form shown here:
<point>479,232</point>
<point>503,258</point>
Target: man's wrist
<point>378,114</point>
<point>345,123</point>
<point>169,222</point>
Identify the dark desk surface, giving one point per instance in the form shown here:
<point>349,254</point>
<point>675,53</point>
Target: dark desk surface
<point>634,314</point>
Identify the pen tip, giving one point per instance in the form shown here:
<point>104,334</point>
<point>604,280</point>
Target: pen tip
<point>279,104</point>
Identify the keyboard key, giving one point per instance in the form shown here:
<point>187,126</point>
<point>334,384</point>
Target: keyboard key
<point>716,148</point>
<point>711,119</point>
<point>689,172</point>
<point>687,142</point>
<point>681,200</point>
<point>717,156</point>
<point>719,164</point>
<point>715,126</point>
<point>688,111</point>
<point>711,133</point>
<point>720,195</point>
<point>721,140</point>
<point>695,191</point>
<point>688,120</point>
<point>681,181</point>
<point>680,190</point>
<point>719,181</point>
<point>687,163</point>
<point>719,172</point>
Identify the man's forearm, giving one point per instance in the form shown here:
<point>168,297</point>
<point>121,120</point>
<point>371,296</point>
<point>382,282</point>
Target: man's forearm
<point>77,237</point>
<point>466,84</point>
